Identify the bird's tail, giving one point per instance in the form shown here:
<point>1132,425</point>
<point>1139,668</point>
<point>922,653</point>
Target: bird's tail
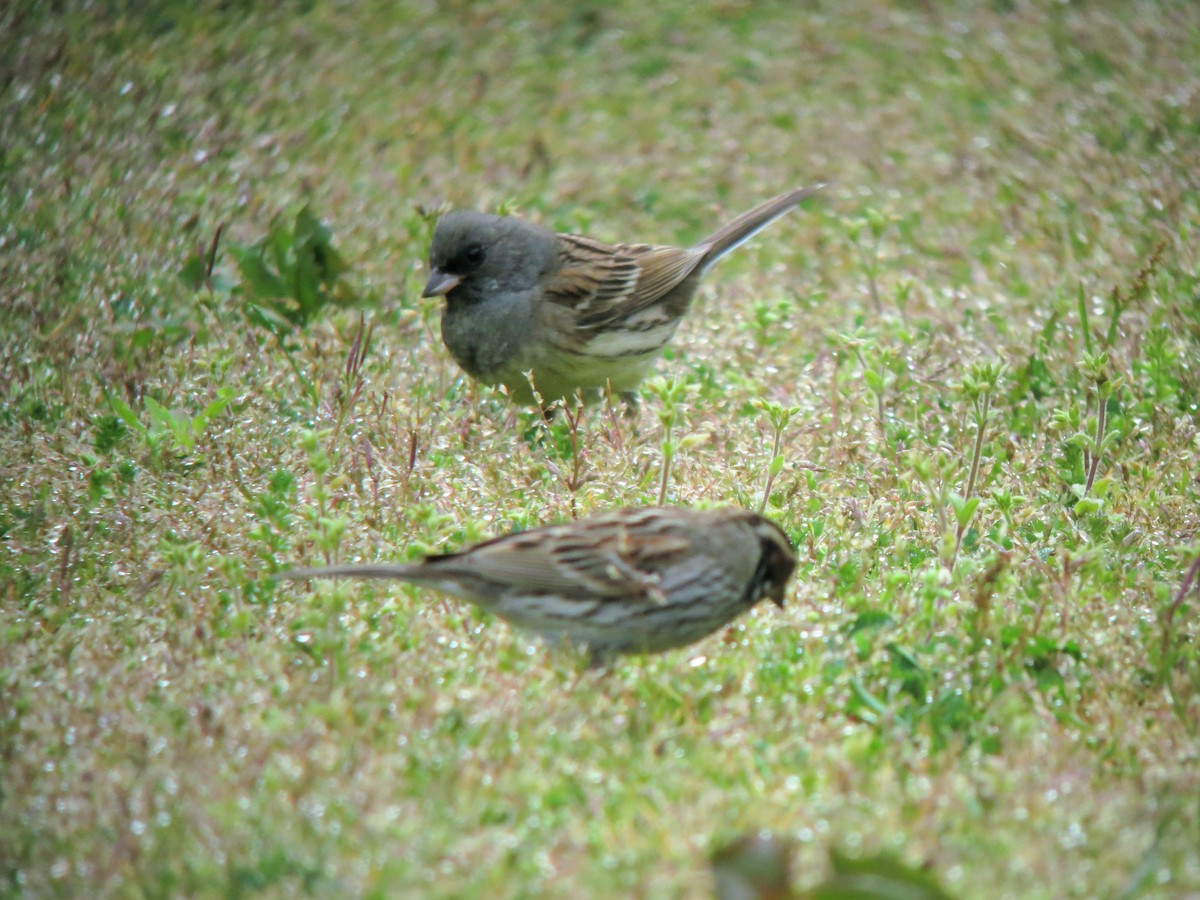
<point>414,572</point>
<point>751,223</point>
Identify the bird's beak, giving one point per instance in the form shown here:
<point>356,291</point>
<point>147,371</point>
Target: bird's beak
<point>777,598</point>
<point>440,283</point>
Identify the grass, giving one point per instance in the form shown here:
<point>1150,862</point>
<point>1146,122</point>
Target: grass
<point>964,380</point>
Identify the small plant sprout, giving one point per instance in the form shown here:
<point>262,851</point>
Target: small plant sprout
<point>880,370</point>
<point>324,530</point>
<point>578,476</point>
<point>1095,369</point>
<point>537,395</point>
<point>977,386</point>
<point>561,436</point>
<point>768,316</point>
<point>1006,501</point>
<point>273,510</point>
<point>1091,435</point>
<point>1175,643</point>
<point>172,426</point>
<point>904,290</point>
<point>198,269</point>
<point>779,417</point>
<point>183,560</point>
<point>866,233</point>
<point>353,382</point>
<point>1120,300</point>
<point>671,393</point>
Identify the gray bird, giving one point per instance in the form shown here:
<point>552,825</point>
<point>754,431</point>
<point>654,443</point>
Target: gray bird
<point>576,313</point>
<point>637,580</point>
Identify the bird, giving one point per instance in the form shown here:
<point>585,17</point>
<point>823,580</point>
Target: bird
<point>551,315</point>
<point>628,581</point>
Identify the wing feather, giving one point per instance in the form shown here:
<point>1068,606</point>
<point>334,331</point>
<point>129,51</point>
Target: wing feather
<point>600,563</point>
<point>600,285</point>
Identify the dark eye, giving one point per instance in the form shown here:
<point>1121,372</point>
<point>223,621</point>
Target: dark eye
<point>474,254</point>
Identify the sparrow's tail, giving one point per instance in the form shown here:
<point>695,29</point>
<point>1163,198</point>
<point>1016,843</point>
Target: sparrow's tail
<point>751,223</point>
<point>414,572</point>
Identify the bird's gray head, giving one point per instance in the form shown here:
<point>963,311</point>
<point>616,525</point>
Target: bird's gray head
<point>475,254</point>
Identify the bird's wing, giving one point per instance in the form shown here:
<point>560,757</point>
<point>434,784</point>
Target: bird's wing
<point>605,284</point>
<point>598,563</point>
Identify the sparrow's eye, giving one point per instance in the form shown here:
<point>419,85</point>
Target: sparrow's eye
<point>474,254</point>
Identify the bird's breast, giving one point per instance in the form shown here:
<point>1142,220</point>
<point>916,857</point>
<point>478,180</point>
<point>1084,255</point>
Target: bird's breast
<point>486,335</point>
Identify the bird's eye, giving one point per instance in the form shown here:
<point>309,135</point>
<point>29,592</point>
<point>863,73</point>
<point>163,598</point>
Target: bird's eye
<point>474,254</point>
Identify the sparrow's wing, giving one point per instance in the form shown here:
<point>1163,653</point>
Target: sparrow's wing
<point>603,285</point>
<point>663,269</point>
<point>605,559</point>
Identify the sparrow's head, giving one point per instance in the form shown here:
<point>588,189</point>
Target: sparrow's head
<point>487,254</point>
<point>777,562</point>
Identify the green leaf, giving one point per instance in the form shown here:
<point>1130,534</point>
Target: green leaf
<point>964,510</point>
<point>267,318</point>
<point>160,416</point>
<point>259,281</point>
<point>903,657</point>
<point>865,699</point>
<point>869,619</point>
<point>194,272</point>
<point>224,398</point>
<point>122,409</point>
<point>306,287</point>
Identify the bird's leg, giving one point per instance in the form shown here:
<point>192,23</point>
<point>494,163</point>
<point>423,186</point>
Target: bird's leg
<point>632,403</point>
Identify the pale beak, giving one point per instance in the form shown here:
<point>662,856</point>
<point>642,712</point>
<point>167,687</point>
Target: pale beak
<point>440,283</point>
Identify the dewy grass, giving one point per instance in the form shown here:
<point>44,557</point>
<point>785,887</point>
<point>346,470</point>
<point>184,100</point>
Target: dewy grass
<point>1015,185</point>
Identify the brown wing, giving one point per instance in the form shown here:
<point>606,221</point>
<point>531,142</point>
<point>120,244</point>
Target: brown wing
<point>608,557</point>
<point>602,284</point>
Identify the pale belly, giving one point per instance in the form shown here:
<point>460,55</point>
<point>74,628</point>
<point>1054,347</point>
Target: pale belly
<point>562,376</point>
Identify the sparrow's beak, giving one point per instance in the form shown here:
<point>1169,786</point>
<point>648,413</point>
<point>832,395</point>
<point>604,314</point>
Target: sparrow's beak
<point>440,283</point>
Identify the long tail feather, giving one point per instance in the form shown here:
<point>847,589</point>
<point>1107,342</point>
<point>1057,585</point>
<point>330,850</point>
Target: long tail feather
<point>751,223</point>
<point>372,570</point>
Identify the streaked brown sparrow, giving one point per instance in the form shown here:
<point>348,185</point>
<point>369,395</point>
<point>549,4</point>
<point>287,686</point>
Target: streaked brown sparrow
<point>630,581</point>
